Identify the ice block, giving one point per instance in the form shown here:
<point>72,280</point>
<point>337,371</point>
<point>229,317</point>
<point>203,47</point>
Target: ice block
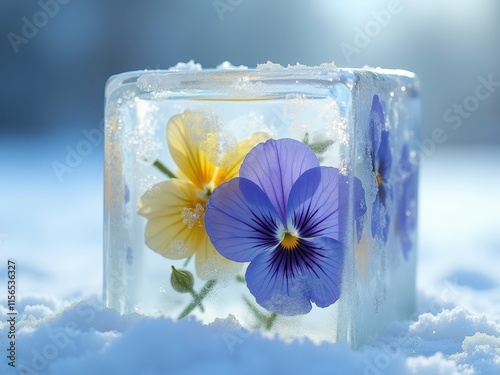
<point>283,199</point>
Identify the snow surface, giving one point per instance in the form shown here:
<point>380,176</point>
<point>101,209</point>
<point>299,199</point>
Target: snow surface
<point>54,235</point>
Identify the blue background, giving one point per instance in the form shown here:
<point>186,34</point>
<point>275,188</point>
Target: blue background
<point>53,84</point>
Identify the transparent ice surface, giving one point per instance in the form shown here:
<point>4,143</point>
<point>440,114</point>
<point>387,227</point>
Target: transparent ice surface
<point>327,108</point>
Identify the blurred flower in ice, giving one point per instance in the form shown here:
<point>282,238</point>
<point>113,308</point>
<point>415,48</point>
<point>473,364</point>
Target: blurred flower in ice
<point>407,208</point>
<point>381,163</point>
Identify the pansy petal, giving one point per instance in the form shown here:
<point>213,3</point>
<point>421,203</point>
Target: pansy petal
<point>326,285</point>
<point>384,158</point>
<point>359,207</point>
<point>286,281</point>
<point>275,166</point>
<point>231,161</point>
<point>241,221</point>
<point>356,197</point>
<point>185,151</point>
<point>168,232</point>
<point>313,205</point>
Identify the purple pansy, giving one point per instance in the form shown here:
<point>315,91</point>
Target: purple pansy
<point>381,163</point>
<point>407,212</point>
<point>284,215</point>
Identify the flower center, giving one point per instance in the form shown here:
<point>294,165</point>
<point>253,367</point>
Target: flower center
<point>379,178</point>
<point>289,241</point>
<point>193,216</point>
<point>206,193</point>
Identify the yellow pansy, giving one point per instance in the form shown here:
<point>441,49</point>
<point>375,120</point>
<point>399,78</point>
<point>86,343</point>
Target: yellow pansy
<point>175,208</point>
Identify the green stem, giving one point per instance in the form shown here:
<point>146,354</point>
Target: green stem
<point>158,164</point>
<point>197,301</point>
<point>196,298</point>
<point>260,317</point>
<point>187,261</point>
<point>264,320</point>
<point>240,279</point>
<point>270,321</point>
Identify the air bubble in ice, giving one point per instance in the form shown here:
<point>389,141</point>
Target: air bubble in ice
<point>245,125</point>
<point>243,87</point>
<point>147,183</point>
<point>206,130</point>
<point>141,138</point>
<point>318,120</point>
<point>178,248</point>
<point>193,216</point>
<point>221,269</point>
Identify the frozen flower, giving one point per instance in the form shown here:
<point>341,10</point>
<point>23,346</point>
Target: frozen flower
<point>407,209</point>
<point>381,163</point>
<point>284,215</point>
<point>175,208</point>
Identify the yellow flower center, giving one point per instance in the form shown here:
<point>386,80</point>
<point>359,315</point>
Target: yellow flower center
<point>289,241</point>
<point>379,179</point>
<point>206,193</point>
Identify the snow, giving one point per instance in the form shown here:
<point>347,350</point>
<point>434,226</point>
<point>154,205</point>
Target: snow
<point>273,66</point>
<point>54,235</point>
<point>226,65</point>
<point>189,66</point>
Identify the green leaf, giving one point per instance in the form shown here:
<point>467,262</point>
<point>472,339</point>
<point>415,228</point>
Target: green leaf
<point>321,146</point>
<point>318,147</point>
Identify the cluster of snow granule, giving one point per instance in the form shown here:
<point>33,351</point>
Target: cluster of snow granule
<point>86,338</point>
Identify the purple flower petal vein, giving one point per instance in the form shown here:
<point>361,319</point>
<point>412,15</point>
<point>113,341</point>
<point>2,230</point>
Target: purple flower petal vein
<point>284,215</point>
